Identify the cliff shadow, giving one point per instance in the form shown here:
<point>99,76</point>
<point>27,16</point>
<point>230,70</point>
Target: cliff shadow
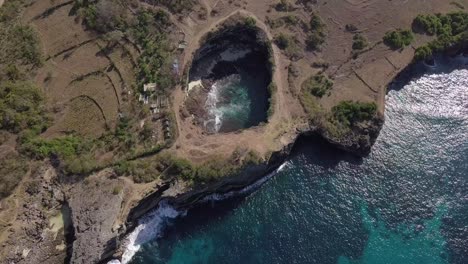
<point>442,64</point>
<point>319,152</point>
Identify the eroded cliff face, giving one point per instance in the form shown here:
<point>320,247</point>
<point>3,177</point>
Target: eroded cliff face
<point>95,207</point>
<point>360,139</point>
<point>229,78</point>
<point>184,198</point>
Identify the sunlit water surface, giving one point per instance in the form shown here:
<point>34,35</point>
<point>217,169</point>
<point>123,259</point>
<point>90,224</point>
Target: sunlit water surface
<point>405,203</point>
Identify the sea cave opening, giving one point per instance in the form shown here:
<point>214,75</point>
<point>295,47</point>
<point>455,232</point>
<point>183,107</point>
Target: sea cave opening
<point>229,78</point>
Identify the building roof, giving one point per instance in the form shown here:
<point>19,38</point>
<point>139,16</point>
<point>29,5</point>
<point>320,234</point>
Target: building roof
<point>149,87</point>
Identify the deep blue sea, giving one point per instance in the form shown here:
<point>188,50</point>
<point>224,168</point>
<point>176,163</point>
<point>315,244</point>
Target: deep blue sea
<point>406,203</point>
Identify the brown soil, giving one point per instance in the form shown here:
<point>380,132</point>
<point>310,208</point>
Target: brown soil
<point>86,93</point>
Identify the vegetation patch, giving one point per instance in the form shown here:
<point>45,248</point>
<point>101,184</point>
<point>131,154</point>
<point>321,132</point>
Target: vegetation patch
<point>155,62</point>
<point>73,152</point>
<point>451,30</point>
<point>284,6</point>
<point>348,113</point>
<point>398,39</point>
<point>272,88</point>
<point>289,20</point>
<point>19,43</point>
<point>166,165</point>
<point>316,35</point>
<point>359,42</point>
<point>351,28</point>
<point>177,6</point>
<point>21,107</point>
<point>317,85</point>
<point>289,44</point>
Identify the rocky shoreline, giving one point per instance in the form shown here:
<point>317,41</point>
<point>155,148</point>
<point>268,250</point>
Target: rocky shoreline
<point>359,142</point>
<point>186,200</point>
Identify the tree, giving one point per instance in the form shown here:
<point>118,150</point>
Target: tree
<point>423,53</point>
<point>282,41</point>
<point>399,38</point>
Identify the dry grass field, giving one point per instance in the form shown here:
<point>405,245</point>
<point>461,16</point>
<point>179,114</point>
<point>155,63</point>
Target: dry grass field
<point>90,82</point>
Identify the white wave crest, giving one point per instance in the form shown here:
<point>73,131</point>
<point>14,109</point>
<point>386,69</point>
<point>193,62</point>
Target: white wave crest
<point>152,225</point>
<point>215,113</point>
<point>149,228</point>
<point>248,189</point>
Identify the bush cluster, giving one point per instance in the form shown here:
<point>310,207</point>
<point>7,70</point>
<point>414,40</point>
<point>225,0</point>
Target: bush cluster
<point>167,165</point>
<point>359,42</point>
<point>283,6</point>
<point>316,35</point>
<point>398,39</point>
<point>289,20</point>
<point>20,43</point>
<point>73,152</point>
<point>349,113</point>
<point>272,88</point>
<point>282,41</point>
<point>289,44</point>
<point>451,29</point>
<point>21,107</point>
<point>155,62</point>
<point>317,85</point>
<point>177,6</point>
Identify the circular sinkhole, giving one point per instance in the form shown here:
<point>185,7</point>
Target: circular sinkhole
<point>229,79</point>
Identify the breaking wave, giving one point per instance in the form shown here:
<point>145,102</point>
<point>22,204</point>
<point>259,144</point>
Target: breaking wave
<point>216,102</point>
<point>152,225</point>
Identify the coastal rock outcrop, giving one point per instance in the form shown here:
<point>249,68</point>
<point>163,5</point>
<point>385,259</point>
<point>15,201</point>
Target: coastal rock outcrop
<point>95,206</point>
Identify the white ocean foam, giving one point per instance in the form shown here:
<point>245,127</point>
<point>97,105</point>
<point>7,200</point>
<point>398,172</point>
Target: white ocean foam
<point>216,113</point>
<point>152,225</point>
<point>248,189</point>
<point>149,228</point>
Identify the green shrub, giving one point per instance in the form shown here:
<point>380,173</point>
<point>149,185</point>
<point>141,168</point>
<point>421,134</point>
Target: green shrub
<point>282,41</point>
<point>316,36</point>
<point>250,22</point>
<point>21,107</point>
<point>359,42</point>
<point>451,29</point>
<point>398,39</point>
<point>10,10</point>
<point>431,24</point>
<point>177,6</point>
<point>283,6</point>
<point>349,113</point>
<point>317,85</point>
<point>117,190</point>
<point>423,53</point>
<point>20,46</point>
<point>68,146</point>
<point>90,16</point>
<point>351,28</point>
<point>314,40</point>
<point>154,64</point>
<point>271,100</point>
<point>291,20</point>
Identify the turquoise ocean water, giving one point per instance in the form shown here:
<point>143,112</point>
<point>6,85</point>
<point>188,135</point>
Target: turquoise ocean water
<point>407,203</point>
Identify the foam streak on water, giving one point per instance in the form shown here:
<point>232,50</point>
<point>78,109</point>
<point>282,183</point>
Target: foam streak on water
<point>405,203</point>
<point>152,225</point>
<point>149,227</point>
<point>212,104</point>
